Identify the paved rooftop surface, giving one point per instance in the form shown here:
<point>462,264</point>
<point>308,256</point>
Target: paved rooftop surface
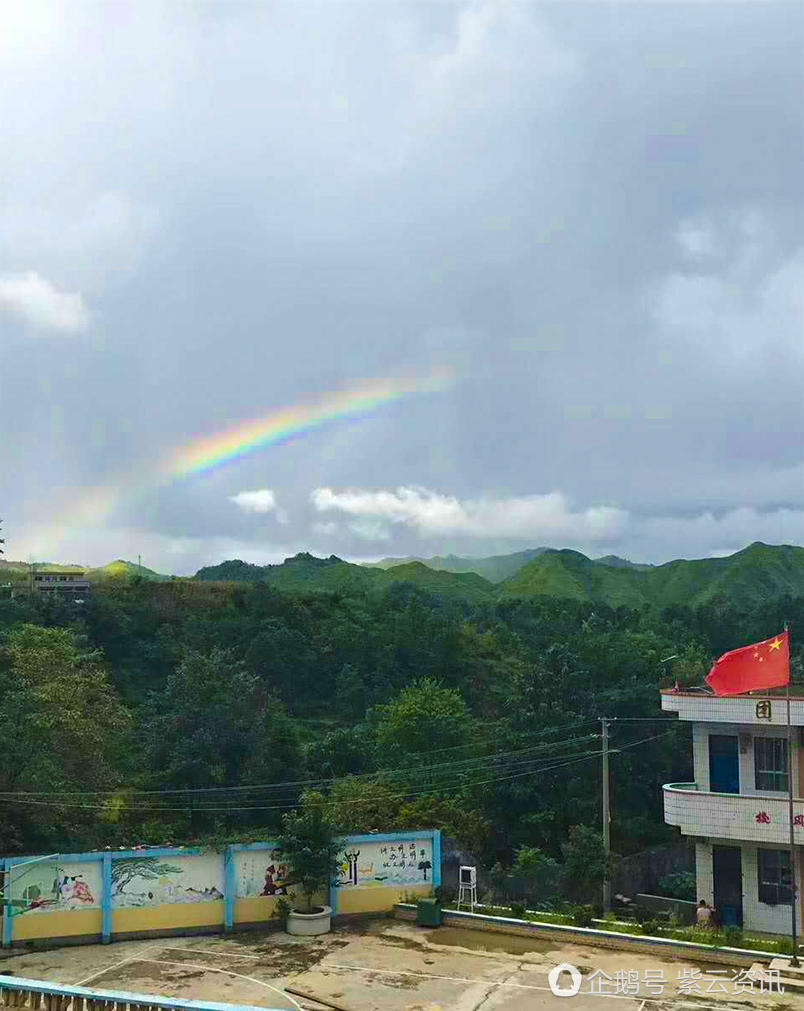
<point>395,966</point>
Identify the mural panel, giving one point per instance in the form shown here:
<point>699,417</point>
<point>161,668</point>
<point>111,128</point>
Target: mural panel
<point>156,881</point>
<point>261,872</point>
<point>385,863</point>
<point>50,886</point>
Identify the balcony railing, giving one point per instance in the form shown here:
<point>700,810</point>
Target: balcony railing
<point>37,994</point>
<point>731,815</point>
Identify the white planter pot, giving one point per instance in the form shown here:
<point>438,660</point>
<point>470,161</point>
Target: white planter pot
<point>309,923</point>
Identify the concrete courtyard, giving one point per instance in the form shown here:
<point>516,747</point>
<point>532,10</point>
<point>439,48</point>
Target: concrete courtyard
<point>394,966</point>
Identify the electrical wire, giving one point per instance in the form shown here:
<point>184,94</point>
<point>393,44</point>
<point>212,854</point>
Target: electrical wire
<point>321,780</point>
<point>346,803</point>
<point>29,798</point>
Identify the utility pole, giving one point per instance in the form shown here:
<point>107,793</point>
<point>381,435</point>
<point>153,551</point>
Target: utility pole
<point>606,815</point>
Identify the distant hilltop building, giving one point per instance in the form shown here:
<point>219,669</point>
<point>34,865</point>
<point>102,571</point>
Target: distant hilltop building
<point>66,586</point>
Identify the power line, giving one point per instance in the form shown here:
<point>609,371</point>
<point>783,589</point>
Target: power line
<point>354,801</point>
<point>320,780</point>
<point>445,784</point>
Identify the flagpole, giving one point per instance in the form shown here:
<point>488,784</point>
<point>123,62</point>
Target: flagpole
<point>793,890</point>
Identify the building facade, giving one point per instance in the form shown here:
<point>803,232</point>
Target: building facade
<point>72,586</point>
<point>737,810</point>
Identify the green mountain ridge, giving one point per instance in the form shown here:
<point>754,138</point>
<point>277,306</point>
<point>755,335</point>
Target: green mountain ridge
<point>112,570</point>
<point>120,568</point>
<point>748,577</point>
<point>305,572</point>
<point>494,568</point>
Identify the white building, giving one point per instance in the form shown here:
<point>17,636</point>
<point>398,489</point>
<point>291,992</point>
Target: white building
<point>737,809</point>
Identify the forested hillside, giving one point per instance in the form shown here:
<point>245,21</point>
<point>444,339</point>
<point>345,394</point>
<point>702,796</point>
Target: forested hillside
<point>306,572</point>
<point>408,708</point>
<point>746,578</point>
<point>495,568</point>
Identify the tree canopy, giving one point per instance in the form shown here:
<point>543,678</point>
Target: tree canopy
<point>403,708</point>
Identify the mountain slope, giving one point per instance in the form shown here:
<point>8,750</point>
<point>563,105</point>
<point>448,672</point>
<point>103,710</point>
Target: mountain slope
<point>621,563</point>
<point>120,568</point>
<point>572,575</point>
<point>301,572</point>
<point>746,578</point>
<point>495,568</point>
<point>306,572</point>
<point>457,585</point>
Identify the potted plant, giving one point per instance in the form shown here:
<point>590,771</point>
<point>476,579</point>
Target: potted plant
<point>310,847</point>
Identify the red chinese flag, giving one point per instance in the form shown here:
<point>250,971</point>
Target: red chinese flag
<point>765,664</point>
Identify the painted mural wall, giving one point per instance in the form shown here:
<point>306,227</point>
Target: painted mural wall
<point>387,863</point>
<point>261,873</point>
<point>50,886</point>
<point>156,881</point>
<point>174,890</point>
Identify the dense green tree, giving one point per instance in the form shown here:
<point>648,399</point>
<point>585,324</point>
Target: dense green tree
<point>311,846</point>
<point>216,725</point>
<point>585,862</point>
<point>481,718</point>
<point>425,718</point>
<point>63,729</point>
<point>350,693</point>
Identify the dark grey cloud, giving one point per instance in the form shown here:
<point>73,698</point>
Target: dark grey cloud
<point>591,211</point>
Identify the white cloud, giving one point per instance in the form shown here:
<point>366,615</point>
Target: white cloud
<point>261,500</point>
<point>36,301</point>
<point>431,514</point>
<point>496,43</point>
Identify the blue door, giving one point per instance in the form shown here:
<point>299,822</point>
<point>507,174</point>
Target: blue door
<point>724,764</point>
<point>727,873</point>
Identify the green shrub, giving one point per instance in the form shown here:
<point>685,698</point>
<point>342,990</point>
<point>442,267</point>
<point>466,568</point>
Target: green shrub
<point>282,911</point>
<point>653,928</point>
<point>311,848</point>
<point>680,885</point>
<point>518,910</point>
<point>582,916</point>
<point>733,936</point>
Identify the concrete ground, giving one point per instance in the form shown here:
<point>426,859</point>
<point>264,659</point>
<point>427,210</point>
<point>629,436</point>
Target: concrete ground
<point>395,966</point>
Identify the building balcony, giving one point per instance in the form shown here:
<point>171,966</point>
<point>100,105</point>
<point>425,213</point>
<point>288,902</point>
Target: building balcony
<point>757,819</point>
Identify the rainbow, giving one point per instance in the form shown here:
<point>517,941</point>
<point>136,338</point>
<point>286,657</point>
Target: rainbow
<point>209,452</point>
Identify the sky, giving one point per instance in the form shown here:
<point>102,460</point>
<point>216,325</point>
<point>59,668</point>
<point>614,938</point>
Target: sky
<point>509,274</point>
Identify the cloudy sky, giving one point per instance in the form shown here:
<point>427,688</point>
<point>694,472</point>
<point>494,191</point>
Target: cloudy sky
<point>588,215</point>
